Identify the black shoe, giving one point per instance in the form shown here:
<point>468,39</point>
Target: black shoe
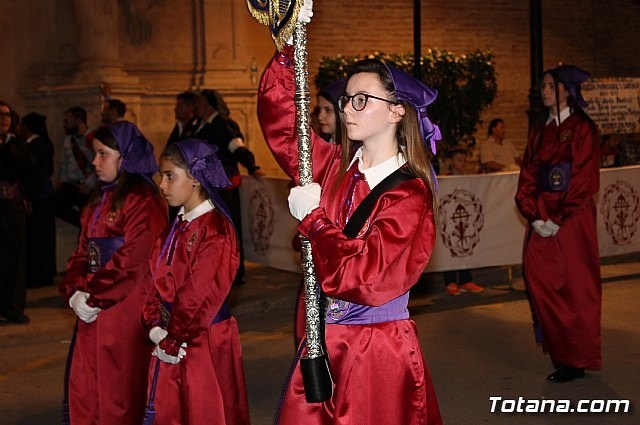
<point>566,374</point>
<point>23,319</point>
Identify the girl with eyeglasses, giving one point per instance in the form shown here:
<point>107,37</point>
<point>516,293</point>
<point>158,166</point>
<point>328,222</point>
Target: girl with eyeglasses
<point>379,372</point>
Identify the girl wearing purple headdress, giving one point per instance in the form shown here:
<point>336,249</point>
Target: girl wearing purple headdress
<point>379,372</point>
<point>558,180</point>
<point>107,280</point>
<point>198,373</point>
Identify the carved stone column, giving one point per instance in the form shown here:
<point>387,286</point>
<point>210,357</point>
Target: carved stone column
<point>98,39</point>
<point>99,71</point>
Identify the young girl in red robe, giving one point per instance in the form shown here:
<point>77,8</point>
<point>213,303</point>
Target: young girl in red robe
<point>107,281</point>
<point>197,376</point>
<point>558,180</point>
<point>377,366</point>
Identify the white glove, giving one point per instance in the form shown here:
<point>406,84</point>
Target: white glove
<point>157,334</point>
<point>304,16</point>
<point>540,229</point>
<point>162,355</point>
<point>306,12</point>
<point>86,313</point>
<point>551,227</point>
<point>304,199</point>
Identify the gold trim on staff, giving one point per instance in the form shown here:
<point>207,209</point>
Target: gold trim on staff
<point>274,16</point>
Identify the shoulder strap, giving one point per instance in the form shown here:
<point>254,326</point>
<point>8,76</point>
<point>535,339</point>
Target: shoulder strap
<point>361,214</point>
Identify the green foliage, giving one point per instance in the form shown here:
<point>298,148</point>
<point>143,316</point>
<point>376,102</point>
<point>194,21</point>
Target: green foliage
<point>466,85</point>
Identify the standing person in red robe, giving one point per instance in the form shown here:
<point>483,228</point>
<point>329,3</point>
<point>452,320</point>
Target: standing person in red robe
<point>558,181</point>
<point>199,377</point>
<point>107,281</point>
<point>379,372</point>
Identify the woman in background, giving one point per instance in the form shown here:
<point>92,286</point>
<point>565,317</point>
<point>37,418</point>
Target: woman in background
<point>559,178</point>
<point>41,225</point>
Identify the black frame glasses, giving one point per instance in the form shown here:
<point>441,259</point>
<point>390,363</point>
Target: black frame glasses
<point>359,101</point>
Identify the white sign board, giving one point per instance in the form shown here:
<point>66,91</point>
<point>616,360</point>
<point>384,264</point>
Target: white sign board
<point>479,225</point>
<point>614,104</point>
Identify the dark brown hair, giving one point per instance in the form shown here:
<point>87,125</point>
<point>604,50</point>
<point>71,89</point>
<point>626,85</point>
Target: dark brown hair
<point>125,182</point>
<point>174,154</point>
<point>541,120</point>
<point>493,124</point>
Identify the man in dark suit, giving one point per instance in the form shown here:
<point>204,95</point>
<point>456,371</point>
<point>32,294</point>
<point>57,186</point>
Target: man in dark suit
<point>186,120</point>
<point>76,174</point>
<point>113,110</point>
<point>220,130</point>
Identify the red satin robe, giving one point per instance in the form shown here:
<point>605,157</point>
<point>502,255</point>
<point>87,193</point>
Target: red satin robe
<point>379,371</point>
<point>208,385</point>
<point>110,357</point>
<point>562,272</point>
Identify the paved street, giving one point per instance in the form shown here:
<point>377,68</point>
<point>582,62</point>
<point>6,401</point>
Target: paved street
<point>477,346</point>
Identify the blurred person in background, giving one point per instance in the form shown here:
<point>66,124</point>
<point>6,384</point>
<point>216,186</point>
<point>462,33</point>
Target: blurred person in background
<point>14,168</point>
<point>559,178</point>
<point>41,226</point>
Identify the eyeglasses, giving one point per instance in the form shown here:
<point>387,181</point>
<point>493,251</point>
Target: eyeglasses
<point>359,101</point>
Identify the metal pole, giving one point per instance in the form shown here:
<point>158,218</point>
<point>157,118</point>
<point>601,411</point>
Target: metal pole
<point>316,376</point>
<point>315,367</point>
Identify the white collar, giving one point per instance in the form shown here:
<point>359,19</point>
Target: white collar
<point>564,114</point>
<point>30,139</point>
<point>8,137</point>
<point>496,141</point>
<point>211,117</point>
<point>77,135</point>
<point>374,175</point>
<point>201,209</point>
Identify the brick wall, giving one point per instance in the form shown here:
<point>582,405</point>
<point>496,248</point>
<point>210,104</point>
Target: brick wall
<point>600,36</point>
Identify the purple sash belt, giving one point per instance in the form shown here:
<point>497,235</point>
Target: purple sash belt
<point>554,177</point>
<point>100,251</point>
<point>223,314</point>
<point>346,313</point>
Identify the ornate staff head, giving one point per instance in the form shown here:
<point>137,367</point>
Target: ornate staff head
<point>279,15</point>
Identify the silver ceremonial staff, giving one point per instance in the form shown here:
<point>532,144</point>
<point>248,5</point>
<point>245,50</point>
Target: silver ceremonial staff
<point>282,18</point>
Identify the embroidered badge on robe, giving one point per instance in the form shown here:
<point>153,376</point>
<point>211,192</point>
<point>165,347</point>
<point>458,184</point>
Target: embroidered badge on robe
<point>337,308</point>
<point>192,240</point>
<point>111,217</point>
